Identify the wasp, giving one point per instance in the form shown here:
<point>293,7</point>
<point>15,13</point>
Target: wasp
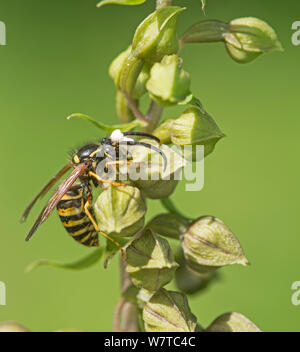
<point>73,198</point>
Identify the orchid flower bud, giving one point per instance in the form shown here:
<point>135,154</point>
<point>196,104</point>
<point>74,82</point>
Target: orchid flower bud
<point>156,36</point>
<point>121,211</point>
<point>169,225</point>
<point>232,322</point>
<point>168,311</point>
<point>196,127</point>
<point>150,261</point>
<point>209,244</point>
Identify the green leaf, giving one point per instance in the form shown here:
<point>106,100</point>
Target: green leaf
<point>84,263</point>
<point>121,2</point>
<point>123,127</point>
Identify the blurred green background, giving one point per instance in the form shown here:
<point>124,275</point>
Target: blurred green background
<point>55,63</point>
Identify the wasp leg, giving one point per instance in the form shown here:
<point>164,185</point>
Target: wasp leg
<point>91,217</point>
<point>101,180</point>
<point>118,162</point>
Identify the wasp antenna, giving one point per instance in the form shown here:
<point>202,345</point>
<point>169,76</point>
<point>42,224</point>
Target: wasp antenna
<point>141,134</point>
<point>150,146</point>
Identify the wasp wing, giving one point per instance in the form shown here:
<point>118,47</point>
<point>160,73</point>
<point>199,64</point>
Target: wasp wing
<point>45,190</point>
<point>54,200</point>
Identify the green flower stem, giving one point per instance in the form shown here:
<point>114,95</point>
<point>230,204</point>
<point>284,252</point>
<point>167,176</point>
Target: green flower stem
<point>171,208</point>
<point>153,116</point>
<point>126,318</point>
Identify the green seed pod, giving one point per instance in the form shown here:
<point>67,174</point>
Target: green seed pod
<point>232,322</point>
<point>168,311</point>
<point>150,261</point>
<point>12,326</point>
<point>121,211</point>
<point>209,244</point>
<point>249,37</point>
<point>148,172</point>
<point>169,225</point>
<point>196,127</point>
<point>169,84</point>
<point>156,36</point>
<point>163,132</point>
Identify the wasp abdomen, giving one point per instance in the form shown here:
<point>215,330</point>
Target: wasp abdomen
<point>74,219</point>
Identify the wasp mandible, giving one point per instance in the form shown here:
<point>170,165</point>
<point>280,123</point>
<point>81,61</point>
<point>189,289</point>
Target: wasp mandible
<point>73,198</point>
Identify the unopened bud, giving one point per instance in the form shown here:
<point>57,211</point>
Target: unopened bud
<point>150,261</point>
<point>169,84</point>
<point>191,282</point>
<point>168,311</point>
<point>249,37</point>
<point>245,38</point>
<point>209,244</point>
<point>156,36</point>
<point>233,322</point>
<point>196,127</point>
<point>121,211</point>
<point>169,225</point>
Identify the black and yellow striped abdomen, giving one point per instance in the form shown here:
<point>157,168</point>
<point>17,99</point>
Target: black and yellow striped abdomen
<point>73,217</point>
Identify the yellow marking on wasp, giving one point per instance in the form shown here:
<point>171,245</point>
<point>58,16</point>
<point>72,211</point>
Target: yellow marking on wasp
<point>76,159</point>
<point>90,215</point>
<point>95,152</point>
<point>81,231</point>
<point>69,211</point>
<point>71,223</point>
<point>67,197</point>
<point>86,238</point>
<point>101,180</point>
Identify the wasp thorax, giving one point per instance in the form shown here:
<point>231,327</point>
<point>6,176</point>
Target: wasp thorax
<point>84,153</point>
